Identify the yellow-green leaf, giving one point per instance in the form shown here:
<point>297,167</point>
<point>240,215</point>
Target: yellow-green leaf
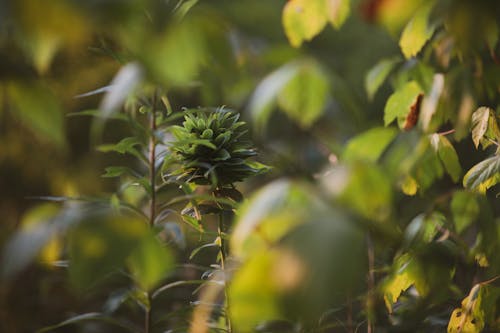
<point>416,33</point>
<point>338,11</point>
<point>303,19</point>
<point>399,104</point>
<point>369,145</point>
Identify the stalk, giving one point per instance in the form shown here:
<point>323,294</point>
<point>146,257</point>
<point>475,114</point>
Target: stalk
<point>152,159</point>
<point>221,229</point>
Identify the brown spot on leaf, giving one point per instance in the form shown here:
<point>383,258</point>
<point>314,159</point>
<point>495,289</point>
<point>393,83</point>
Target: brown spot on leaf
<point>412,117</point>
<point>458,314</point>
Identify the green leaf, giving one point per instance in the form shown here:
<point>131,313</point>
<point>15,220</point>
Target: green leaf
<point>483,175</point>
<point>183,46</point>
<point>125,145</point>
<point>447,155</point>
<point>417,32</point>
<point>117,171</point>
<point>377,75</point>
<point>304,19</point>
<point>399,104</point>
<point>338,11</point>
<point>150,262</point>
<point>465,209</point>
<point>304,97</point>
<point>38,108</point>
<point>368,146</point>
<point>264,97</point>
<point>484,127</point>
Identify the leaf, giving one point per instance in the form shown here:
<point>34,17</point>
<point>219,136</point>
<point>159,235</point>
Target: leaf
<point>400,103</point>
<point>368,146</point>
<point>465,209</point>
<point>367,191</point>
<point>430,102</point>
<point>447,155</point>
<point>483,175</point>
<point>484,127</point>
<point>86,317</point>
<point>395,285</point>
<point>253,292</point>
<point>183,46</point>
<point>304,19</point>
<point>38,108</point>
<point>378,74</point>
<point>477,310</point>
<point>199,248</point>
<point>117,171</point>
<point>304,97</point>
<point>264,97</point>
<point>124,82</point>
<point>270,213</point>
<point>125,145</point>
<point>338,11</point>
<point>37,230</point>
<point>416,33</point>
<point>150,262</point>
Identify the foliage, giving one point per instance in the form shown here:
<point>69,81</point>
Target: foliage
<point>379,119</point>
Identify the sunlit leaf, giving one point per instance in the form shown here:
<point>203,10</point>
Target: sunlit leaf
<point>465,209</point>
<point>398,282</point>
<point>304,97</point>
<point>476,310</point>
<point>338,11</point>
<point>38,108</point>
<point>484,127</point>
<point>368,146</point>
<point>483,175</point>
<point>417,32</point>
<point>304,19</point>
<point>400,103</point>
<point>377,75</point>
<point>253,293</point>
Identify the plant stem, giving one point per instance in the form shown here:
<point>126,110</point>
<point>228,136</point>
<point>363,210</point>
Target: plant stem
<point>152,160</point>
<point>147,316</point>
<point>223,253</point>
<point>371,282</point>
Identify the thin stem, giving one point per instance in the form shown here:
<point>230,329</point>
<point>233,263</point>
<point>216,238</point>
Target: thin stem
<point>371,283</point>
<point>447,132</point>
<point>152,160</point>
<point>223,254</point>
<point>147,315</point>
